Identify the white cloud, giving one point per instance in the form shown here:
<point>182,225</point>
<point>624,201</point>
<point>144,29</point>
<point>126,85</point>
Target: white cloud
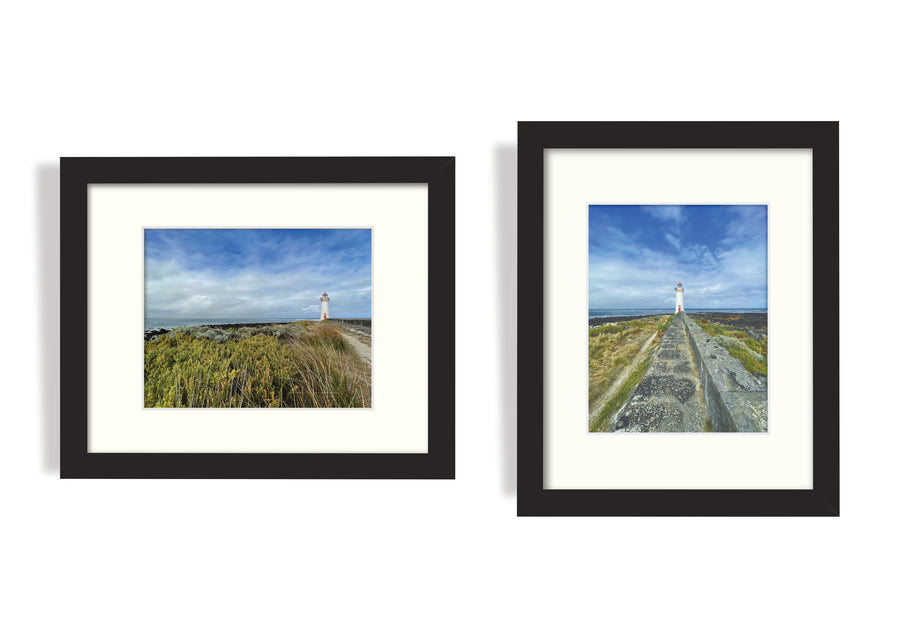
<point>734,278</point>
<point>669,214</point>
<point>171,291</point>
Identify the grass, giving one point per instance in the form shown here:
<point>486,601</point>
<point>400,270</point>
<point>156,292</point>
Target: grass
<point>665,326</point>
<point>282,366</point>
<point>753,353</point>
<point>602,422</point>
<point>750,362</point>
<point>611,348</point>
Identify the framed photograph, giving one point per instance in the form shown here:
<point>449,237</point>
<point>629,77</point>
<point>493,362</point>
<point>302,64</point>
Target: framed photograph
<point>257,317</point>
<point>688,275</point>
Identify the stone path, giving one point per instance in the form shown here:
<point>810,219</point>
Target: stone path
<point>669,397</point>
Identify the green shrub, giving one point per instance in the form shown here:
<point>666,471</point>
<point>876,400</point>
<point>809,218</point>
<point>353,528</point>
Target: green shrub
<point>193,368</point>
<point>760,346</point>
<point>602,422</point>
<point>753,361</point>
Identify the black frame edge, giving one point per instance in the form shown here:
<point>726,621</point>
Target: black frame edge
<point>77,173</point>
<point>823,499</point>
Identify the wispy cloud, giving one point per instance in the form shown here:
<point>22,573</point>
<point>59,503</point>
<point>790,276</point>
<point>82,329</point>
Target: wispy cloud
<point>638,253</point>
<point>668,214</point>
<point>256,273</point>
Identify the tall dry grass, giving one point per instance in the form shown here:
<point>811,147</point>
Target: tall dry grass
<point>308,366</point>
<point>612,348</point>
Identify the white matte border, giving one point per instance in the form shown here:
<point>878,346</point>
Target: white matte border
<point>782,459</point>
<point>398,420</point>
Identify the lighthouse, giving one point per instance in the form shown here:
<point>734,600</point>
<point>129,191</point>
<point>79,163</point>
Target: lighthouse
<point>324,301</point>
<point>679,298</point>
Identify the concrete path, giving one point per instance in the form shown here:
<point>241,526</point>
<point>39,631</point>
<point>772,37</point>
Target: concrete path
<point>669,397</point>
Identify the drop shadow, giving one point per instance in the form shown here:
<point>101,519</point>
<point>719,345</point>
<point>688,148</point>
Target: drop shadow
<point>47,219</point>
<point>506,173</point>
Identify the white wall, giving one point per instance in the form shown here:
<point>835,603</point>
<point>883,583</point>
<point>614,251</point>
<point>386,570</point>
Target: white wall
<point>410,558</point>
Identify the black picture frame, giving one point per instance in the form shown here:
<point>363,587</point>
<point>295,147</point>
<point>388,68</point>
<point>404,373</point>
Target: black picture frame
<point>77,173</point>
<point>534,139</point>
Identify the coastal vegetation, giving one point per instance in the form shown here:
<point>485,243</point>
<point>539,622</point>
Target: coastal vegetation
<point>612,349</point>
<point>601,423</point>
<point>750,347</point>
<point>301,364</point>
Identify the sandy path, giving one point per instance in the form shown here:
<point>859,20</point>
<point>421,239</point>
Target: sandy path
<point>361,347</point>
<point>609,393</point>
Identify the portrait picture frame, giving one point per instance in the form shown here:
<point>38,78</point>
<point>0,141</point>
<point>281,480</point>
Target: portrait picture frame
<point>791,470</point>
<point>408,202</point>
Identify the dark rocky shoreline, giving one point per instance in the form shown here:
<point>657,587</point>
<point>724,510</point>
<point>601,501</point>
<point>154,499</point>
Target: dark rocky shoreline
<point>754,320</point>
<point>363,325</point>
<point>603,320</point>
<point>149,335</point>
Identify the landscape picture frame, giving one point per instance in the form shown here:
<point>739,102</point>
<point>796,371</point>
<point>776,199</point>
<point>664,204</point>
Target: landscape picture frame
<point>434,237</point>
<point>538,143</point>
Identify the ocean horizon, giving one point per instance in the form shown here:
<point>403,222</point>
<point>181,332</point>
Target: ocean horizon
<point>604,312</point>
<point>169,322</point>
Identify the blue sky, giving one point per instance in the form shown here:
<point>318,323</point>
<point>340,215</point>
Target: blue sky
<point>637,254</point>
<point>244,273</point>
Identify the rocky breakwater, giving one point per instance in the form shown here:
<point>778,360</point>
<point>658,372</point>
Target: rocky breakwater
<point>735,399</point>
<point>359,326</point>
<point>669,397</point>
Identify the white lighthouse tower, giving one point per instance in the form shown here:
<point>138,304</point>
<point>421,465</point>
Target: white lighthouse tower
<point>679,298</point>
<point>324,301</point>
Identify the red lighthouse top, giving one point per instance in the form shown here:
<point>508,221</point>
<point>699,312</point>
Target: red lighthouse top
<point>679,284</point>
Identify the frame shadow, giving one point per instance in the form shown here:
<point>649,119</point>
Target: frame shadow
<point>48,266</point>
<point>507,328</point>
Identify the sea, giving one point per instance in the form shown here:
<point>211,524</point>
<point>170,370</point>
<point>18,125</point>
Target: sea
<point>603,312</point>
<point>170,322</point>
